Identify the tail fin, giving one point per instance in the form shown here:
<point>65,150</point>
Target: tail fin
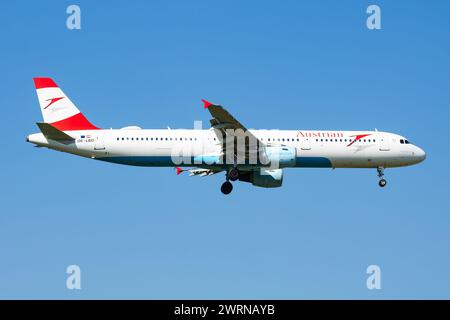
<point>57,109</point>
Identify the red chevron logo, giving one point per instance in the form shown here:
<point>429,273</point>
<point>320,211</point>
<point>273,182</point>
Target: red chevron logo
<point>357,137</point>
<point>52,101</point>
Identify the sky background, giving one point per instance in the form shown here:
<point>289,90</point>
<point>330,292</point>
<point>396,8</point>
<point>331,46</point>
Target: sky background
<point>148,233</point>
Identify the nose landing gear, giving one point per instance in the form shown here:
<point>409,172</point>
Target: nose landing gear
<point>382,183</point>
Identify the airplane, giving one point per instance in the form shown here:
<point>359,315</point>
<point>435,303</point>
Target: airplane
<point>259,158</point>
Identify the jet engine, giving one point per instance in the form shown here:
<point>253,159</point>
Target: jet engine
<point>265,178</point>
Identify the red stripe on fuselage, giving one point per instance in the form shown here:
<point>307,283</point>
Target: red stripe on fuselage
<point>75,122</point>
<point>40,83</point>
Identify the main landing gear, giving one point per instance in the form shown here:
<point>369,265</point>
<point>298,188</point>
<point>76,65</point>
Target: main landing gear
<point>226,187</point>
<point>232,175</point>
<point>382,182</point>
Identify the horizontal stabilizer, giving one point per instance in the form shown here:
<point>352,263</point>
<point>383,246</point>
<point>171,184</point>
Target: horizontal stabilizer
<point>50,132</point>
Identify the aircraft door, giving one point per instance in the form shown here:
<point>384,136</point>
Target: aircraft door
<point>384,143</point>
<point>99,144</point>
<point>306,144</point>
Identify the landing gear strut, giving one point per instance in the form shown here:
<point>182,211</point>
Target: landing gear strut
<point>382,182</point>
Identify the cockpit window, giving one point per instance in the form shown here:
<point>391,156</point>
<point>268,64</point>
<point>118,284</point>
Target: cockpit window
<point>407,142</point>
<point>402,141</point>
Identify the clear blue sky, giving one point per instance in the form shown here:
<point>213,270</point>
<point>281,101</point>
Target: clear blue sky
<point>147,233</point>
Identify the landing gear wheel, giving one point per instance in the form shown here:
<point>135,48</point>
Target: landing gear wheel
<point>382,182</point>
<point>233,174</point>
<point>226,187</point>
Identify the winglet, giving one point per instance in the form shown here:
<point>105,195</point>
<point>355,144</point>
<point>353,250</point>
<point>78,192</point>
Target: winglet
<point>206,104</point>
<point>179,170</point>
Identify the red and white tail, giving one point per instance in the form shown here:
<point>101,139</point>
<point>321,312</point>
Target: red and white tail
<point>57,109</point>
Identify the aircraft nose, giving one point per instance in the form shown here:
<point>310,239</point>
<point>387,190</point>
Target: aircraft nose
<point>420,154</point>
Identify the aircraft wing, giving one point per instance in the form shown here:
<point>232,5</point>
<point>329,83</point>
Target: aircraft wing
<point>223,120</point>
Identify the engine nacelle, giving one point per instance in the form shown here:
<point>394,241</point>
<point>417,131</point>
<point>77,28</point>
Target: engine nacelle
<point>281,157</point>
<point>267,178</point>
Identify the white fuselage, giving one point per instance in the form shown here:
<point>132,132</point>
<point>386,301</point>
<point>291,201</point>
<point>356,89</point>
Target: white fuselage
<point>332,149</point>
